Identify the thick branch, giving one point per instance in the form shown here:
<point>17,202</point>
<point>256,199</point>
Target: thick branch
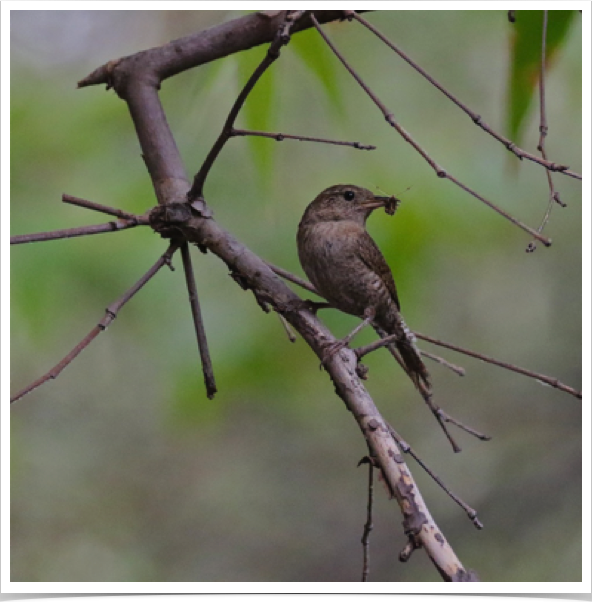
<point>138,85</point>
<point>204,46</point>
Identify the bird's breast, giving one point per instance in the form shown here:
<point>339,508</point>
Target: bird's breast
<point>329,254</point>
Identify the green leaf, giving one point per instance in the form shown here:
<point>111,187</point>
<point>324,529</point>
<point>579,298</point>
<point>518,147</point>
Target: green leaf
<point>260,108</point>
<point>526,59</point>
<point>309,46</point>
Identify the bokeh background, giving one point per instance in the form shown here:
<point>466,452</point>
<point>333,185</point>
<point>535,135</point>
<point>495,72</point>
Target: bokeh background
<point>123,470</point>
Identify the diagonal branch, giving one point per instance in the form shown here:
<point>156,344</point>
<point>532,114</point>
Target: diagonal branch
<point>547,380</point>
<point>110,315</point>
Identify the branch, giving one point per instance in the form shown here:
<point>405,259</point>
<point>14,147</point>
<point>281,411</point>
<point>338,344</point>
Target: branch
<point>120,224</point>
<point>279,137</point>
<point>74,200</point>
<point>202,47</point>
<point>547,380</point>
<point>202,342</point>
<point>110,315</point>
<point>544,129</point>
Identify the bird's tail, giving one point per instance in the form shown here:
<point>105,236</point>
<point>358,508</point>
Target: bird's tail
<point>408,353</point>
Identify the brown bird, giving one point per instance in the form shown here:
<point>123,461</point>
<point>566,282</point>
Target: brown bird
<point>348,269</point>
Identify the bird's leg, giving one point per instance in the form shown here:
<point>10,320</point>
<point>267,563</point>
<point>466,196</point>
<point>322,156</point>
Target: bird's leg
<point>333,348</point>
<point>314,306</point>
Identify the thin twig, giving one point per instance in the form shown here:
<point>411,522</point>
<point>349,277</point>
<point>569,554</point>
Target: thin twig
<point>110,315</point>
<point>200,331</point>
<point>406,448</point>
<point>440,360</point>
<point>440,172</point>
<point>279,137</point>
<point>282,37</point>
<point>293,278</point>
<point>543,130</point>
<point>547,380</point>
<point>369,525</point>
<point>476,118</point>
<point>120,224</point>
<point>74,200</point>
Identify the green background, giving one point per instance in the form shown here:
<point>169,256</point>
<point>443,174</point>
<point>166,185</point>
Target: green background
<point>123,470</point>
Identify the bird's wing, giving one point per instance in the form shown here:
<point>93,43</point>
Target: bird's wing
<point>370,254</point>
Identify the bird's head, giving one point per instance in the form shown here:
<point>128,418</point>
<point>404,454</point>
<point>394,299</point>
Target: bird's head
<point>343,202</point>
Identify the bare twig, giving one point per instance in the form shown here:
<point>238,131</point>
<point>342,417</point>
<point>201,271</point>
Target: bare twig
<point>547,380</point>
<point>476,118</point>
<point>110,315</point>
<point>73,200</point>
<point>440,172</point>
<point>293,278</point>
<point>440,360</point>
<point>368,525</point>
<point>279,137</point>
<point>406,448</point>
<point>120,224</point>
<point>543,130</point>
<point>200,331</point>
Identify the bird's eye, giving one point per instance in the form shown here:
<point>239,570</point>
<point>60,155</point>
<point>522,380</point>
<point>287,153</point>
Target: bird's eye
<point>349,195</point>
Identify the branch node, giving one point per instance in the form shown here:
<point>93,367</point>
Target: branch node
<point>409,548</point>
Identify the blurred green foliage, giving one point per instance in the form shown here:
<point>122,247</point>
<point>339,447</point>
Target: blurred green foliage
<point>123,470</point>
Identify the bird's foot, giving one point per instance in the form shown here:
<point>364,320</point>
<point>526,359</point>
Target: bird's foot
<point>330,350</point>
<point>333,348</point>
<point>314,306</point>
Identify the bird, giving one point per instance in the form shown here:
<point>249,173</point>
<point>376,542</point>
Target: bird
<point>348,269</point>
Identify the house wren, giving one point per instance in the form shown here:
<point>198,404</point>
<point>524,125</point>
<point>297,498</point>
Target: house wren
<point>348,269</point>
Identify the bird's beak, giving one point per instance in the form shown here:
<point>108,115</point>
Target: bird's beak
<point>376,202</point>
<point>390,204</point>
